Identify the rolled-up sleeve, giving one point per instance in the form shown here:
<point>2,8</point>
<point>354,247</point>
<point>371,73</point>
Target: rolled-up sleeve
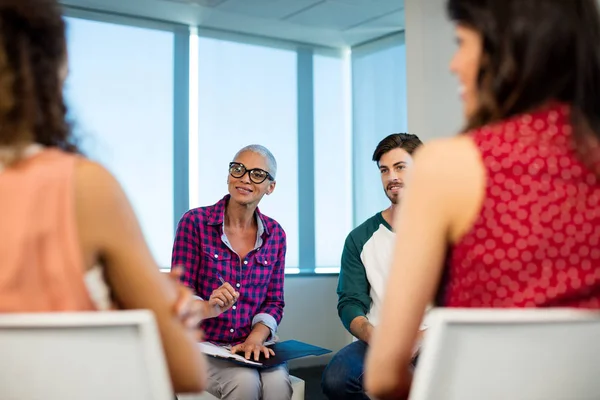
<point>271,311</point>
<point>267,320</point>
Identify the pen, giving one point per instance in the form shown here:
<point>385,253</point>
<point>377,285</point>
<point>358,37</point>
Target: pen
<point>223,282</point>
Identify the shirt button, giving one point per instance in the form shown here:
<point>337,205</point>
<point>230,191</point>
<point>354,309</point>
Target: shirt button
<point>245,262</point>
<point>234,307</point>
<point>266,262</point>
<point>216,256</point>
<point>231,330</point>
<point>238,285</point>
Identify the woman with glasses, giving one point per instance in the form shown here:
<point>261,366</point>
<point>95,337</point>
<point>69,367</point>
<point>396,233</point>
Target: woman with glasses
<point>506,215</point>
<point>233,258</point>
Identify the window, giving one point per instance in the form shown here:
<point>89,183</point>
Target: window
<point>121,91</point>
<point>120,94</point>
<point>248,95</point>
<point>332,158</point>
<point>379,109</point>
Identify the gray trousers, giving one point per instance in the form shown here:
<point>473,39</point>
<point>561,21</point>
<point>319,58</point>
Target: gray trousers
<point>232,382</point>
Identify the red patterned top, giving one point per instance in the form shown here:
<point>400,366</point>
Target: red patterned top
<point>535,241</point>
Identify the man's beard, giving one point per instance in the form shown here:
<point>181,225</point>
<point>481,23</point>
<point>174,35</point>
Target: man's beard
<point>395,199</point>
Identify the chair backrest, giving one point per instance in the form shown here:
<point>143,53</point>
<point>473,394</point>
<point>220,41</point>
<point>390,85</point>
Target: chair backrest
<point>92,356</point>
<point>509,354</point>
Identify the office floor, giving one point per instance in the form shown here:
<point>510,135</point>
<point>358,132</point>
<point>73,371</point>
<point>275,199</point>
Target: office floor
<point>312,380</point>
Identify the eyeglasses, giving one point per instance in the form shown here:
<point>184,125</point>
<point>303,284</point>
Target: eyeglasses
<point>257,175</point>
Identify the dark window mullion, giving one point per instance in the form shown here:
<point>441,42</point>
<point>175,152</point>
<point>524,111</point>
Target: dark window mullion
<point>306,161</point>
<point>181,122</point>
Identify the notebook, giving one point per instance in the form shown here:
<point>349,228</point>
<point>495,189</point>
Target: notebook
<point>284,351</point>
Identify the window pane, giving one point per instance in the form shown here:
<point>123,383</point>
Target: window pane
<point>333,173</point>
<point>248,95</point>
<point>379,97</point>
<point>120,93</point>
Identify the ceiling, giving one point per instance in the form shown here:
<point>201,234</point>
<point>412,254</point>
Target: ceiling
<point>332,23</point>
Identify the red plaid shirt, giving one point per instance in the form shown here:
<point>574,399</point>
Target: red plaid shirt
<point>201,247</point>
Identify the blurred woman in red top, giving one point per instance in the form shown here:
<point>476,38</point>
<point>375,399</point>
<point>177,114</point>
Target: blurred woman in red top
<point>507,214</point>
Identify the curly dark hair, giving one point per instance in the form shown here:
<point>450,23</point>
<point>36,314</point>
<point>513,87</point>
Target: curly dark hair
<point>33,52</point>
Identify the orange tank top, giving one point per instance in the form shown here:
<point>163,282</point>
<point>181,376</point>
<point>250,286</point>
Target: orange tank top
<point>41,265</point>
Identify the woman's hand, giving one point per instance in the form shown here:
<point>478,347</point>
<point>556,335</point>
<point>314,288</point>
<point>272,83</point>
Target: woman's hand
<point>224,297</point>
<point>250,347</point>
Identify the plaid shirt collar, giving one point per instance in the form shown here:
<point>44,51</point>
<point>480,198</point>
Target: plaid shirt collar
<point>217,215</point>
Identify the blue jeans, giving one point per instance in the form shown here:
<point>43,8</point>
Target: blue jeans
<point>343,376</point>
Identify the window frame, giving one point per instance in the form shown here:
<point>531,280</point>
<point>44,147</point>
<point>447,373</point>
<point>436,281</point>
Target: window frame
<point>305,135</point>
<point>181,37</point>
<point>184,134</point>
<point>358,52</point>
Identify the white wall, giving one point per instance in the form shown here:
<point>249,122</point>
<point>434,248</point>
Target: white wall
<point>432,96</point>
<point>311,316</point>
<point>379,109</point>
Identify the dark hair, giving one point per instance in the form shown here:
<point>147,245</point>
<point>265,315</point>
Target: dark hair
<point>535,52</point>
<point>404,141</point>
<point>32,51</point>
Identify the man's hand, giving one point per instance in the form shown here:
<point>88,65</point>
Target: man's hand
<point>189,310</point>
<point>362,329</point>
<point>250,347</point>
<point>221,300</point>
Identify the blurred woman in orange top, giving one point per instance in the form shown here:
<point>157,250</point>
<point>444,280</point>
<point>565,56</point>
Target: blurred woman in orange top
<point>69,240</point>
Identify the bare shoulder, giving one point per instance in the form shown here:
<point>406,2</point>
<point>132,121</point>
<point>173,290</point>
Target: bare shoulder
<point>95,186</point>
<point>93,177</point>
<point>451,170</point>
<point>102,206</point>
<point>451,157</point>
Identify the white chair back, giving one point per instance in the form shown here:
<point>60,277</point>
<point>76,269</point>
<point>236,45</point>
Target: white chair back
<point>77,356</point>
<point>525,354</point>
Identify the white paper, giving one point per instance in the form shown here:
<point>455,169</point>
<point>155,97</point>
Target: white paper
<point>228,346</point>
<point>223,352</point>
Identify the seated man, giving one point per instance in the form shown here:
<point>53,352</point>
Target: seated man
<point>234,259</point>
<point>366,258</point>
